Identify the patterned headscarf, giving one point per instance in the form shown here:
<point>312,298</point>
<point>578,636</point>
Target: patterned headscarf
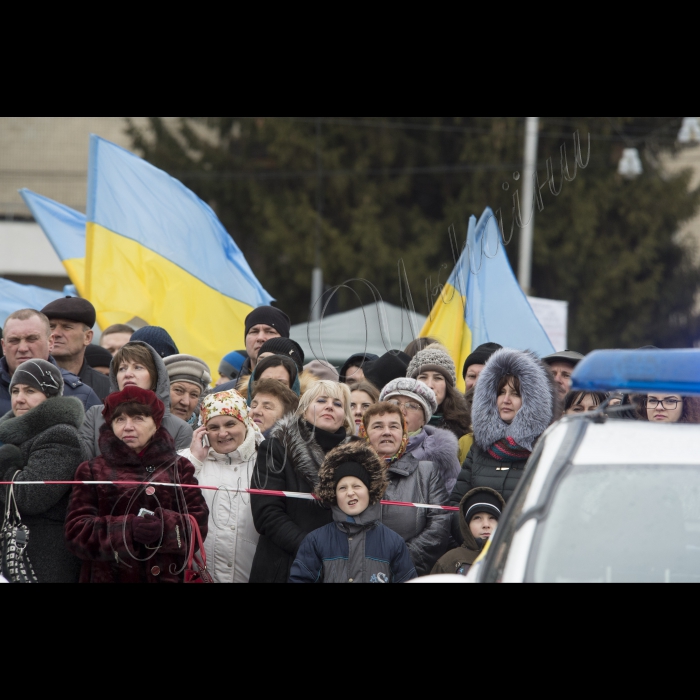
<point>402,449</point>
<point>227,403</point>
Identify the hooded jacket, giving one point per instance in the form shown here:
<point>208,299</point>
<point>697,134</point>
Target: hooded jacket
<point>73,386</point>
<point>426,532</point>
<point>289,461</point>
<point>355,549</point>
<point>232,538</point>
<point>100,518</point>
<point>178,429</point>
<point>460,560</point>
<point>43,445</point>
<point>442,449</point>
<point>535,416</point>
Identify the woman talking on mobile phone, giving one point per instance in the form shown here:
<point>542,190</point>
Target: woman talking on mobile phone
<point>224,451</point>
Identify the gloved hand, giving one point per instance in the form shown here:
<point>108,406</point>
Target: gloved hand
<point>147,530</point>
<point>10,460</point>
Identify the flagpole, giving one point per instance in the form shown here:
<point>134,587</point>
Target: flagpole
<point>527,205</point>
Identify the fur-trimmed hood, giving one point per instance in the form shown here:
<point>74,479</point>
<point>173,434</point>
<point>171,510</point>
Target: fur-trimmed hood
<point>360,453</point>
<point>538,397</point>
<point>47,415</point>
<point>440,447</point>
<point>298,440</point>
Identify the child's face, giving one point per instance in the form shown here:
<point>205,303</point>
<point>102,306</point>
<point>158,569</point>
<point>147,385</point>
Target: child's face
<point>483,525</point>
<point>352,495</point>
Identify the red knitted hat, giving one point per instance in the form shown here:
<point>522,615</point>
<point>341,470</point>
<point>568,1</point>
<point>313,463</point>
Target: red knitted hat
<point>132,394</point>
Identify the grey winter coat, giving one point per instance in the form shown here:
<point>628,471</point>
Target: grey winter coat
<point>43,445</point>
<point>426,532</point>
<point>178,429</point>
<point>441,447</point>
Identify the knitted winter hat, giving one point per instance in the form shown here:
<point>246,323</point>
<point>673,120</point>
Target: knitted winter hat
<point>40,375</point>
<point>158,338</point>
<point>227,403</point>
<point>482,502</point>
<point>323,370</point>
<point>286,347</point>
<point>269,316</point>
<point>435,358</point>
<point>481,355</point>
<point>232,364</point>
<point>132,394</point>
<point>96,356</point>
<point>391,366</point>
<point>352,469</point>
<point>186,368</point>
<point>413,389</point>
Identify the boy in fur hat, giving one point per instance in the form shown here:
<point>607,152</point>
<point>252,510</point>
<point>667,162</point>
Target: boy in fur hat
<point>356,547</point>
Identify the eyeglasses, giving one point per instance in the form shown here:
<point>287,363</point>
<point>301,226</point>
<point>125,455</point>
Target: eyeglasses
<point>668,404</point>
<point>407,406</point>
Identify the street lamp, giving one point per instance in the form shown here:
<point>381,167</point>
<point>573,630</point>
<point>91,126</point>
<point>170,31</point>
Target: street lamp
<point>630,164</point>
<point>532,139</point>
<point>690,131</point>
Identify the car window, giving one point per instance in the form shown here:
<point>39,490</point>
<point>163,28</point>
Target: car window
<point>621,524</point>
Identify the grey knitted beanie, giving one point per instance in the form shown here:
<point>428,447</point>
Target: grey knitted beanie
<point>413,389</point>
<point>434,358</point>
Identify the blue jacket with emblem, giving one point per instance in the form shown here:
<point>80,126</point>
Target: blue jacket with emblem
<point>353,550</point>
<point>73,387</point>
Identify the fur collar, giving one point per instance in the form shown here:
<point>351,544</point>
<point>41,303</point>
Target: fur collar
<point>57,411</point>
<point>304,452</point>
<point>538,396</point>
<point>160,452</point>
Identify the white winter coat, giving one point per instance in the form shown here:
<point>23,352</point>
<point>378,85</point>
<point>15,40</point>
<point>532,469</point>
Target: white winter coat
<point>232,540</point>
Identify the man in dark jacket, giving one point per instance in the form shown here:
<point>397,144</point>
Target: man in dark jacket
<point>27,336</point>
<point>72,320</point>
<point>261,325</point>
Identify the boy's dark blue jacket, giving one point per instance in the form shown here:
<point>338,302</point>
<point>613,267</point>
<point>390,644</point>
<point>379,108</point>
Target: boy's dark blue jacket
<point>353,550</point>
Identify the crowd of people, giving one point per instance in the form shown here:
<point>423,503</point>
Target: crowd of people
<point>164,454</point>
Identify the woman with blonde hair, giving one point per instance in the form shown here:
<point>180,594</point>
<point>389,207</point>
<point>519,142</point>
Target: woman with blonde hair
<point>290,461</point>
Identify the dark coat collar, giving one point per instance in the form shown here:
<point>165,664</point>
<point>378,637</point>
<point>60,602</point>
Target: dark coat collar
<point>57,411</point>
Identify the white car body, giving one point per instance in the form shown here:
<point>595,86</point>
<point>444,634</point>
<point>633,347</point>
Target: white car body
<point>605,443</point>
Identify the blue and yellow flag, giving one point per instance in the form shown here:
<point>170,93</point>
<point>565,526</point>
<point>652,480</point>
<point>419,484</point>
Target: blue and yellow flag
<point>65,229</point>
<point>14,297</point>
<point>482,301</point>
<point>158,252</point>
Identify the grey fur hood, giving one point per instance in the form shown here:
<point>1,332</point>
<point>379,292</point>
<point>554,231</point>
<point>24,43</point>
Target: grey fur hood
<point>163,386</point>
<point>440,447</point>
<point>57,411</point>
<point>538,397</point>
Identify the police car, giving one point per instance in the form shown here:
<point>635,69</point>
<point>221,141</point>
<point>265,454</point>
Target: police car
<point>605,500</point>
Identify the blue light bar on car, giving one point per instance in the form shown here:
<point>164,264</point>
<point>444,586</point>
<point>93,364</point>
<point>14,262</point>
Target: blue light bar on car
<point>640,372</point>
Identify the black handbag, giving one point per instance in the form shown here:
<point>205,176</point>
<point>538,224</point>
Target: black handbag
<point>14,538</point>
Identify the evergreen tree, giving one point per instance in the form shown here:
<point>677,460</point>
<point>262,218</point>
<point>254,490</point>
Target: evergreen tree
<point>391,188</point>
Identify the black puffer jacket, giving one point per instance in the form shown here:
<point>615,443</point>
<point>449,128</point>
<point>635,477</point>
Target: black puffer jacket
<point>289,461</point>
<point>43,445</point>
<point>426,532</point>
<point>535,416</point>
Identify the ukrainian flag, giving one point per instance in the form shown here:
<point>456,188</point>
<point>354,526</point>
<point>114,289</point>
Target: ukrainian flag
<point>482,301</point>
<point>157,251</point>
<point>65,229</point>
<point>14,297</point>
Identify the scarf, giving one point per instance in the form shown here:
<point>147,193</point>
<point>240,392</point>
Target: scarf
<point>402,448</point>
<point>508,450</point>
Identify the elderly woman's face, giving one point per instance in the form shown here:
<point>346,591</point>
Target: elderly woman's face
<point>134,431</point>
<point>25,398</point>
<point>226,434</point>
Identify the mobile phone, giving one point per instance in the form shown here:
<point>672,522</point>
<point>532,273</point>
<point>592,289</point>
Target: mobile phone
<point>205,441</point>
<point>143,513</point>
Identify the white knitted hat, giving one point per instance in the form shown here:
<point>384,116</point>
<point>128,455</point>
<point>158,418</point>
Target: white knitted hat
<point>413,389</point>
<point>435,358</point>
<point>186,368</point>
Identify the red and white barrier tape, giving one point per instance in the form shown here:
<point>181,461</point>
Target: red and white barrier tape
<point>223,489</point>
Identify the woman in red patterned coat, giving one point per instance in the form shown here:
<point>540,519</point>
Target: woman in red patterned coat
<point>134,534</point>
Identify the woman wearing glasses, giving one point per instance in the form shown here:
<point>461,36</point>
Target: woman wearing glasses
<point>671,408</point>
<point>426,443</point>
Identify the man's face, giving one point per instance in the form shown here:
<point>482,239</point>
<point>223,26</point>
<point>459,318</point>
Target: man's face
<point>114,342</point>
<point>562,372</point>
<point>26,340</point>
<point>256,338</point>
<point>70,338</point>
